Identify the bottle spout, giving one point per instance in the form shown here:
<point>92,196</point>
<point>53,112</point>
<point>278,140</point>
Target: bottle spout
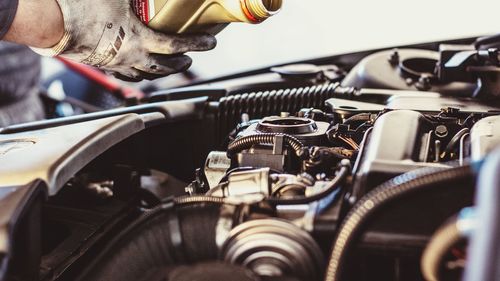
<point>259,10</point>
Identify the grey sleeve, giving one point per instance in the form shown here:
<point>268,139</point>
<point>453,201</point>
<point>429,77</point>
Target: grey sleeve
<point>8,10</point>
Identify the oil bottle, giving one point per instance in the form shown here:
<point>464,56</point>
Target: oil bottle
<point>189,16</point>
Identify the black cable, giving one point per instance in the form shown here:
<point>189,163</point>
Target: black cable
<point>237,169</point>
<point>345,169</point>
<point>456,138</point>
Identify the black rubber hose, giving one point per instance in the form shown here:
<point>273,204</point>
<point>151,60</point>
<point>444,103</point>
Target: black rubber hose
<point>381,196</point>
<point>344,171</point>
<point>162,237</point>
<point>247,142</point>
<point>456,138</point>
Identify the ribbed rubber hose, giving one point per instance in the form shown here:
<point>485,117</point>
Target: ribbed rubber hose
<point>247,142</point>
<point>199,199</point>
<point>440,244</point>
<point>160,238</point>
<point>381,196</point>
<point>272,102</point>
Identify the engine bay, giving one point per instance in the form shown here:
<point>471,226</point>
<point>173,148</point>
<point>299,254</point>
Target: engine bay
<point>363,166</point>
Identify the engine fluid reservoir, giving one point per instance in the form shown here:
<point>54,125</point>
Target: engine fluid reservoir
<point>188,16</point>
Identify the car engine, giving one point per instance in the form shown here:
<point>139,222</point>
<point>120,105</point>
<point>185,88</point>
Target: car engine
<point>377,165</point>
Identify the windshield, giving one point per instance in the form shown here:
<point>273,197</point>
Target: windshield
<point>314,28</point>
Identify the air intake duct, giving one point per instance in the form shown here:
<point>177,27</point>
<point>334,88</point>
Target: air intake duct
<point>161,244</point>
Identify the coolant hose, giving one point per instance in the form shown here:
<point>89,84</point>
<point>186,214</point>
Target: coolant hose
<point>380,196</point>
<point>183,233</point>
<point>247,142</point>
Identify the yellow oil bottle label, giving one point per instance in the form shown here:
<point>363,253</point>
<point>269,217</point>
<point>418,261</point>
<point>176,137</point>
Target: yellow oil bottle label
<point>185,16</point>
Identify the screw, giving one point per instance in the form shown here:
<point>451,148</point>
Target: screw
<point>394,57</point>
<point>441,131</point>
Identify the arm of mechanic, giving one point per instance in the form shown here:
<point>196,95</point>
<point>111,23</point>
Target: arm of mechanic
<point>36,23</point>
<point>105,34</point>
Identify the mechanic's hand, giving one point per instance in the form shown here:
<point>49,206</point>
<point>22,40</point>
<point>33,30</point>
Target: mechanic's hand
<point>108,35</point>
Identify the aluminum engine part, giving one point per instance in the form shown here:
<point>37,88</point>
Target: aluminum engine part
<point>485,137</point>
<point>271,247</point>
<point>399,142</point>
<point>216,166</point>
<point>277,157</point>
<point>245,182</point>
<point>403,69</point>
<point>306,130</point>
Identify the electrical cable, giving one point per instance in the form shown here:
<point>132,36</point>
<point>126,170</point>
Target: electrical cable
<point>453,142</point>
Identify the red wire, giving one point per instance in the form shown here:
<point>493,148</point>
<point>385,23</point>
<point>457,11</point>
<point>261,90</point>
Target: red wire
<point>102,79</point>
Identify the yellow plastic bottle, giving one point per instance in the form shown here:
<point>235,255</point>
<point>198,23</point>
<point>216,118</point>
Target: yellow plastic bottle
<point>188,16</point>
